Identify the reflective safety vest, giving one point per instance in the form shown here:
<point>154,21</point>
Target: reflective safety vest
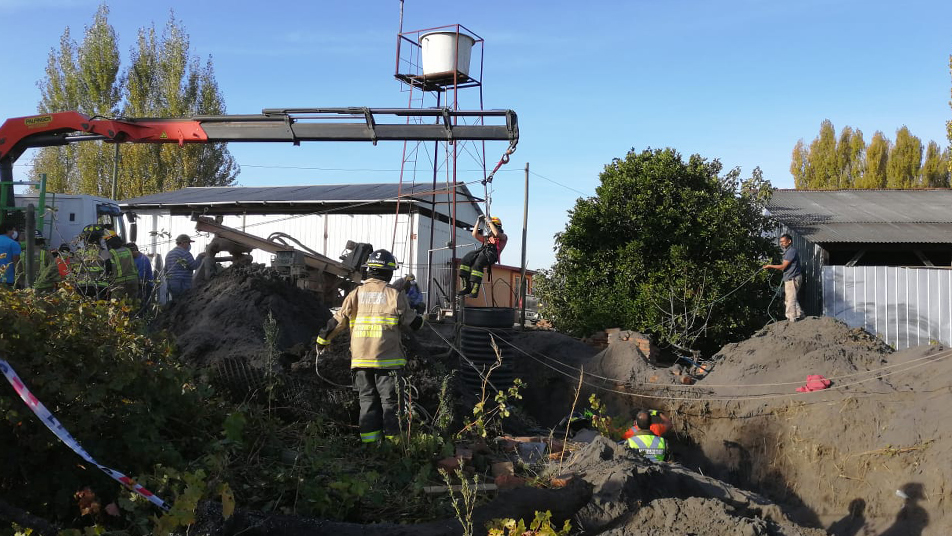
<point>89,267</point>
<point>651,446</point>
<point>123,267</point>
<point>375,312</point>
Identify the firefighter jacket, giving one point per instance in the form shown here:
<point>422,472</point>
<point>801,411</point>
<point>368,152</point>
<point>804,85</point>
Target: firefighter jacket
<point>375,313</point>
<point>90,267</point>
<point>124,271</point>
<point>649,445</point>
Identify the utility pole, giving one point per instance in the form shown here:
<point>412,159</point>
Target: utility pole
<point>522,278</point>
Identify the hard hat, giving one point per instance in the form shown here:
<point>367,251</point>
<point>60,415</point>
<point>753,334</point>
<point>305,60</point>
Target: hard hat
<point>109,233</point>
<point>496,221</point>
<point>411,277</point>
<point>381,260</point>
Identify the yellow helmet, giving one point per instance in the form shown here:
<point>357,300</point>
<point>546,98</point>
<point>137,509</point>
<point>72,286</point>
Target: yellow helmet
<point>496,221</point>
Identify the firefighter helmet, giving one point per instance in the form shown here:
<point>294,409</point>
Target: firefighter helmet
<point>496,221</point>
<point>380,265</point>
<point>92,233</point>
<point>381,259</point>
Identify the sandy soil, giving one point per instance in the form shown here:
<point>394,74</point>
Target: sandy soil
<point>752,455</point>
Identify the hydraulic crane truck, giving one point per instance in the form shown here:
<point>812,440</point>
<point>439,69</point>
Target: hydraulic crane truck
<point>292,125</point>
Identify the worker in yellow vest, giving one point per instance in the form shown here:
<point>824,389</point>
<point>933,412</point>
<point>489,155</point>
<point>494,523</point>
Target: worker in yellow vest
<point>121,270</point>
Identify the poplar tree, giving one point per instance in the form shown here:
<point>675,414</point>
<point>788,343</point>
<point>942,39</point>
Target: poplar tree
<point>877,155</point>
<point>800,167</point>
<point>822,158</point>
<point>845,158</point>
<point>84,78</point>
<point>905,160</point>
<point>163,80</point>
<point>935,170</point>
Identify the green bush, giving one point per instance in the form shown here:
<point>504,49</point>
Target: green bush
<point>119,392</point>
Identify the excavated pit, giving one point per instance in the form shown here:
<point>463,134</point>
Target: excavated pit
<point>752,456</point>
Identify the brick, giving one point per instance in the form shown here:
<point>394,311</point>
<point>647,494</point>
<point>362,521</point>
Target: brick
<point>449,465</point>
<point>509,482</point>
<point>503,468</point>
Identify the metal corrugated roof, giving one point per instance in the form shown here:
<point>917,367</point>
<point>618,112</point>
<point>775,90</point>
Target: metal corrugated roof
<point>876,216</point>
<point>323,193</point>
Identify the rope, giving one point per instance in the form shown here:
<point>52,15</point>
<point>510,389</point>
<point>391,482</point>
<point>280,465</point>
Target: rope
<point>628,383</point>
<point>739,397</point>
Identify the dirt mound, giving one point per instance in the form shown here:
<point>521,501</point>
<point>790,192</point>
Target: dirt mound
<point>632,495</point>
<point>787,352</point>
<point>225,318</point>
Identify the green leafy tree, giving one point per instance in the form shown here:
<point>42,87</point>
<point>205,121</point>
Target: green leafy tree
<point>935,169</point>
<point>877,155</point>
<point>84,78</point>
<point>799,166</point>
<point>660,248</point>
<point>849,154</point>
<point>905,160</point>
<point>822,158</point>
<point>163,80</point>
<point>948,124</point>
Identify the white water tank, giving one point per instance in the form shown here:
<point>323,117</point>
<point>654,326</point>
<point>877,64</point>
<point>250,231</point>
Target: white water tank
<point>440,54</point>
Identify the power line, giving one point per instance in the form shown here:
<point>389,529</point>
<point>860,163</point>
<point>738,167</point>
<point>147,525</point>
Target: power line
<point>558,183</point>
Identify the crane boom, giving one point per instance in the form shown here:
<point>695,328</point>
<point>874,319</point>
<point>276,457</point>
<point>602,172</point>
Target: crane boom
<point>292,125</point>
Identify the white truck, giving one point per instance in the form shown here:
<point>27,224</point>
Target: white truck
<point>67,214</point>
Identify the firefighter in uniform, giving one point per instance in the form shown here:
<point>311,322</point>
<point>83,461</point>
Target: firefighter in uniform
<point>375,313</point>
<point>47,270</point>
<point>473,263</point>
<point>121,269</point>
<point>650,446</point>
<point>89,264</point>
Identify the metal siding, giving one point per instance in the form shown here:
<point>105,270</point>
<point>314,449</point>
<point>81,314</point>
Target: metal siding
<point>904,306</point>
<point>328,235</point>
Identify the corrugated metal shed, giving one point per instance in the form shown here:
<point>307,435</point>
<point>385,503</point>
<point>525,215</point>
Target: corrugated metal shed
<point>866,216</point>
<point>324,193</point>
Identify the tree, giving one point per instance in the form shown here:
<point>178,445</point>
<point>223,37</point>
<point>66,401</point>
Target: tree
<point>935,170</point>
<point>83,78</point>
<point>849,157</point>
<point>163,80</point>
<point>948,124</point>
<point>877,155</point>
<point>905,160</point>
<point>660,248</point>
<point>800,167</point>
<point>822,158</point>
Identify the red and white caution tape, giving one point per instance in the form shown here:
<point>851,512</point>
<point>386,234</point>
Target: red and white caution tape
<point>54,425</point>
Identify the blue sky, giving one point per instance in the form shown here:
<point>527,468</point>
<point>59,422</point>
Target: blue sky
<point>738,80</point>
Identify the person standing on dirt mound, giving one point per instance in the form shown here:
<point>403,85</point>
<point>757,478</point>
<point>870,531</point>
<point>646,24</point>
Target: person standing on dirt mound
<point>375,313</point>
<point>792,277</point>
<point>659,425</point>
<point>179,265</point>
<point>473,263</point>
<point>651,446</point>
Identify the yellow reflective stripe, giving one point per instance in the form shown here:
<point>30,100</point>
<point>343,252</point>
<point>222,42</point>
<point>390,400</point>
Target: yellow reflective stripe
<point>378,363</point>
<point>321,340</point>
<point>371,437</point>
<point>375,320</point>
<point>477,273</point>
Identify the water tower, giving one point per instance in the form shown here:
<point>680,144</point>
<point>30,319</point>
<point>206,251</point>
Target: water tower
<point>441,67</point>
